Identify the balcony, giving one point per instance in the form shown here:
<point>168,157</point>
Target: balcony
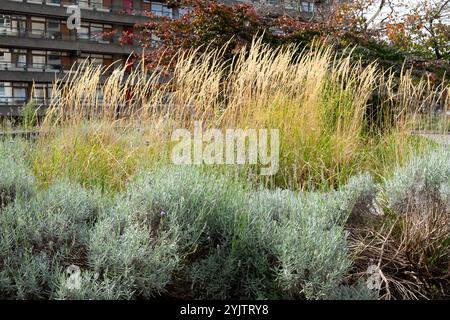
<point>11,106</point>
<point>57,35</point>
<point>116,14</point>
<point>23,72</point>
<point>64,42</point>
<point>35,67</point>
<point>43,73</point>
<point>12,101</point>
<point>84,4</point>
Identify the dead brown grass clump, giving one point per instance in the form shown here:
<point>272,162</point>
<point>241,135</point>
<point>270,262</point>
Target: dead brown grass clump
<point>411,252</point>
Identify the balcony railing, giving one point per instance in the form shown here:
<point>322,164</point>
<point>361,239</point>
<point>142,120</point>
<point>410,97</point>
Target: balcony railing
<point>19,66</point>
<point>12,66</point>
<point>134,10</point>
<point>41,101</point>
<point>57,35</point>
<point>55,68</point>
<point>21,101</point>
<point>12,101</point>
<point>84,4</point>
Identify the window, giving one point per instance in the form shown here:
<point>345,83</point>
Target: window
<point>38,26</point>
<point>95,59</point>
<point>12,58</point>
<point>82,58</point>
<point>99,94</point>
<point>307,6</point>
<point>83,32</point>
<point>53,29</point>
<point>41,92</point>
<point>20,94</point>
<point>13,93</point>
<point>91,4</point>
<point>21,58</point>
<point>38,59</point>
<point>5,92</point>
<point>53,26</point>
<point>83,3</point>
<point>161,10</point>
<point>53,2</point>
<point>54,60</point>
<point>2,91</point>
<point>12,25</point>
<point>94,31</point>
<point>44,27</point>
<point>47,60</point>
<point>5,59</point>
<point>97,4</point>
<point>183,11</point>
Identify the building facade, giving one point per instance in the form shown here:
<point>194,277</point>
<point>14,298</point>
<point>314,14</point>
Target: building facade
<point>306,9</point>
<point>37,46</point>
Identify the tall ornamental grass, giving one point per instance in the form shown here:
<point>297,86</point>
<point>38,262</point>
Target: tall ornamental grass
<point>336,117</point>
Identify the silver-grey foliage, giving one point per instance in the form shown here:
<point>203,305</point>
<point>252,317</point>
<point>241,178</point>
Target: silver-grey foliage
<point>41,235</point>
<point>15,177</point>
<point>191,228</point>
<point>422,180</point>
<point>310,248</point>
<point>137,259</point>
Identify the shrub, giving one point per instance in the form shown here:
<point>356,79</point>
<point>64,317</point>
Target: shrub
<point>92,288</point>
<point>199,209</point>
<point>179,232</point>
<point>304,234</point>
<point>419,182</point>
<point>43,235</point>
<point>359,198</point>
<point>15,178</point>
<point>412,252</point>
<point>357,292</point>
<point>202,205</point>
<point>131,259</point>
<point>26,275</point>
<point>239,244</point>
<point>244,261</point>
<point>311,248</point>
<point>411,245</point>
<point>444,192</point>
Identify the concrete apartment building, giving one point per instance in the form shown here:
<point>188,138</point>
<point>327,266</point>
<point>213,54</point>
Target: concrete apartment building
<point>36,46</point>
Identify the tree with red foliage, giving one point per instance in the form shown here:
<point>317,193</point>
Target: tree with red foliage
<point>370,24</point>
<point>210,24</point>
